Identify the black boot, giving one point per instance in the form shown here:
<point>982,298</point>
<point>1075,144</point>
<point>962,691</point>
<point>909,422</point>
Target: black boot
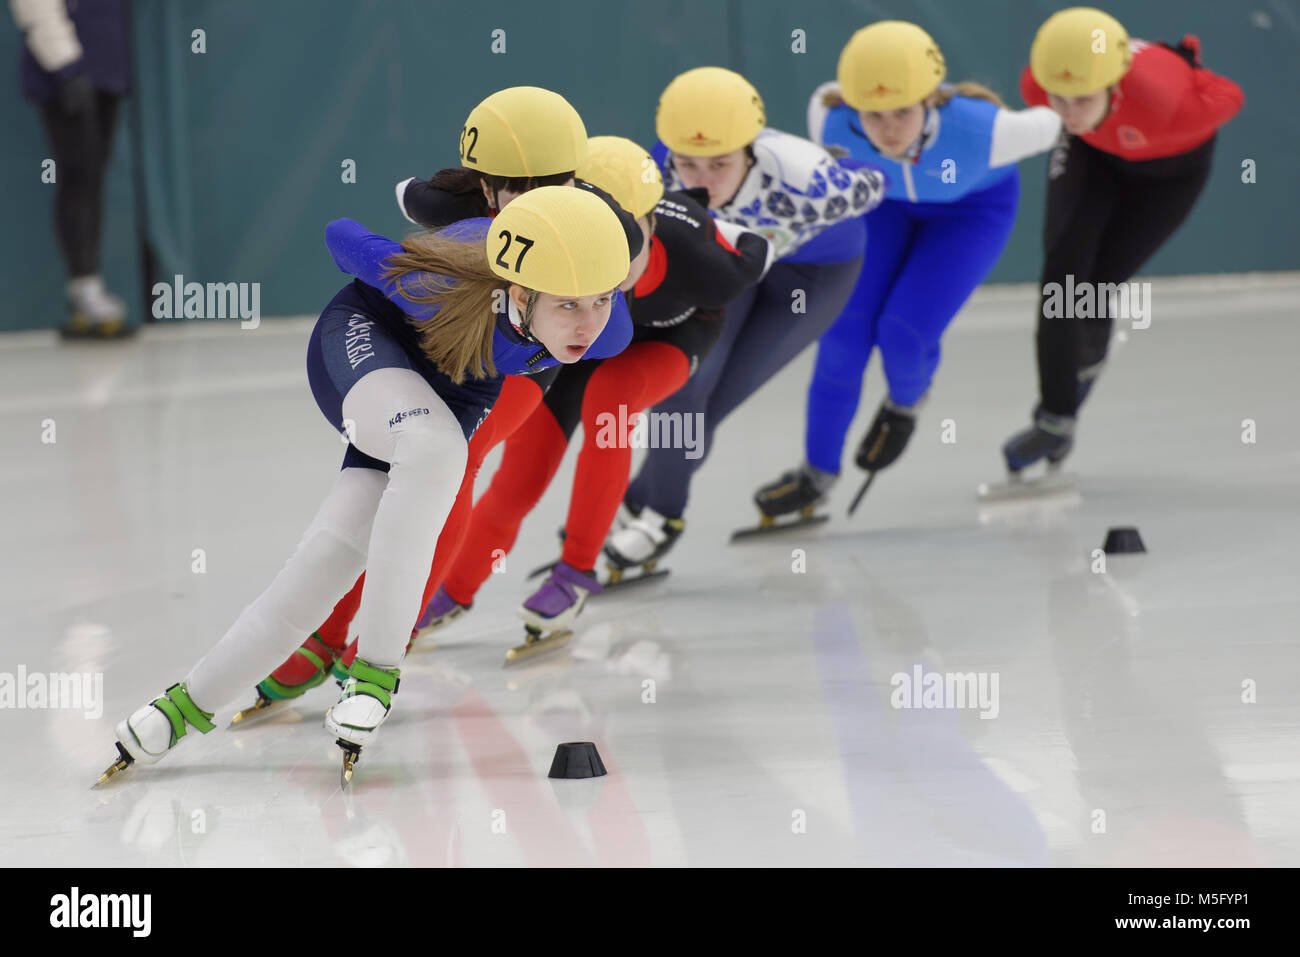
<point>1050,437</point>
<point>795,491</point>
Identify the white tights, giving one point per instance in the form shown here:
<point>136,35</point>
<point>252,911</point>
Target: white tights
<point>387,525</point>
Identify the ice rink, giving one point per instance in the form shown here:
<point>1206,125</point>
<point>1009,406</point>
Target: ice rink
<point>1146,716</point>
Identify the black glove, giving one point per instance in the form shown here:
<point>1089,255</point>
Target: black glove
<point>698,193</point>
<point>1189,48</point>
<point>76,93</point>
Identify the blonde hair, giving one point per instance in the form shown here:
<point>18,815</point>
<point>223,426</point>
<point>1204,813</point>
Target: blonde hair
<point>945,92</point>
<point>969,89</point>
<point>458,338</point>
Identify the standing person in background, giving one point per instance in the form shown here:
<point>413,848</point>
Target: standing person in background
<point>1141,120</point>
<point>76,68</point>
<point>950,155</point>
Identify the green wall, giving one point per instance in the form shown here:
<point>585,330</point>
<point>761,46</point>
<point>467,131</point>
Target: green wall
<point>241,147</point>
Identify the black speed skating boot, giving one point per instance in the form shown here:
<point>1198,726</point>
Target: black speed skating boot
<point>1051,437</point>
<point>798,490</point>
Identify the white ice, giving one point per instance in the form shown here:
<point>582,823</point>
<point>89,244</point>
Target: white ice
<point>1148,715</point>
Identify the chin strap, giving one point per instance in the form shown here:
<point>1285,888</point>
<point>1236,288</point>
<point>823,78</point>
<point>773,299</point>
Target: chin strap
<point>523,323</point>
<point>929,130</point>
<point>522,326</point>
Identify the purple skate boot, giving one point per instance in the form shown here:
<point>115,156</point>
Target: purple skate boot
<point>442,609</point>
<point>551,610</point>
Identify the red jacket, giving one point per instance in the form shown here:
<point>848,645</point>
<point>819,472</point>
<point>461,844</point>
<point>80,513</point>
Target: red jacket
<point>1164,106</point>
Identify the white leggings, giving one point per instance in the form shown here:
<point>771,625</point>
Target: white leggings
<point>387,525</point>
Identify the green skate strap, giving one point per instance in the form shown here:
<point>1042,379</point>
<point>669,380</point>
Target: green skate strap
<point>364,671</point>
<point>193,713</point>
<point>376,682</point>
<point>179,709</point>
<point>376,692</point>
<point>311,656</point>
<point>277,691</point>
<point>173,714</point>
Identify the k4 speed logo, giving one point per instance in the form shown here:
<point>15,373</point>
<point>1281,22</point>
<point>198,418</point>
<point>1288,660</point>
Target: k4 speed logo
<point>408,414</point>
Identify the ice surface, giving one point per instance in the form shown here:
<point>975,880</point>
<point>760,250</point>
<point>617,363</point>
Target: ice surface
<point>1120,735</point>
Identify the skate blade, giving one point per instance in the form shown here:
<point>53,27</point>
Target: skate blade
<point>436,625</point>
<point>770,526</point>
<point>619,579</point>
<point>862,490</point>
<point>533,647</point>
<point>351,752</point>
<point>263,705</point>
<point>1023,490</point>
<point>421,644</point>
<point>422,635</point>
<point>123,762</point>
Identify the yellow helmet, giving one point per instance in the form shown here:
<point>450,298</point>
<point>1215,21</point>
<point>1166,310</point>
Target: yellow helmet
<point>559,240</point>
<point>625,171</point>
<point>523,131</point>
<point>889,65</point>
<point>1079,51</point>
<point>708,111</point>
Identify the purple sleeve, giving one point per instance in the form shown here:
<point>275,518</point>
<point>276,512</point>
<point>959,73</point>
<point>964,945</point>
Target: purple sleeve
<point>363,254</point>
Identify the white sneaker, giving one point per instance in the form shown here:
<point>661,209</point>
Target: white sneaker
<point>89,299</point>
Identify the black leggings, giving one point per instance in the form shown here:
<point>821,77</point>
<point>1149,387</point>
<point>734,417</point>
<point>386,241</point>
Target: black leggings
<point>81,145</point>
<point>1106,216</point>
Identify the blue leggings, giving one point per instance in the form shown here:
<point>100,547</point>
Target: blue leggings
<point>923,261</point>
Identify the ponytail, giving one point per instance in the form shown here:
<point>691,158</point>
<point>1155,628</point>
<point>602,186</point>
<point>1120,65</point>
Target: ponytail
<point>455,276</point>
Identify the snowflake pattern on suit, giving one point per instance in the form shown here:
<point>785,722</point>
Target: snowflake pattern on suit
<point>795,190</point>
